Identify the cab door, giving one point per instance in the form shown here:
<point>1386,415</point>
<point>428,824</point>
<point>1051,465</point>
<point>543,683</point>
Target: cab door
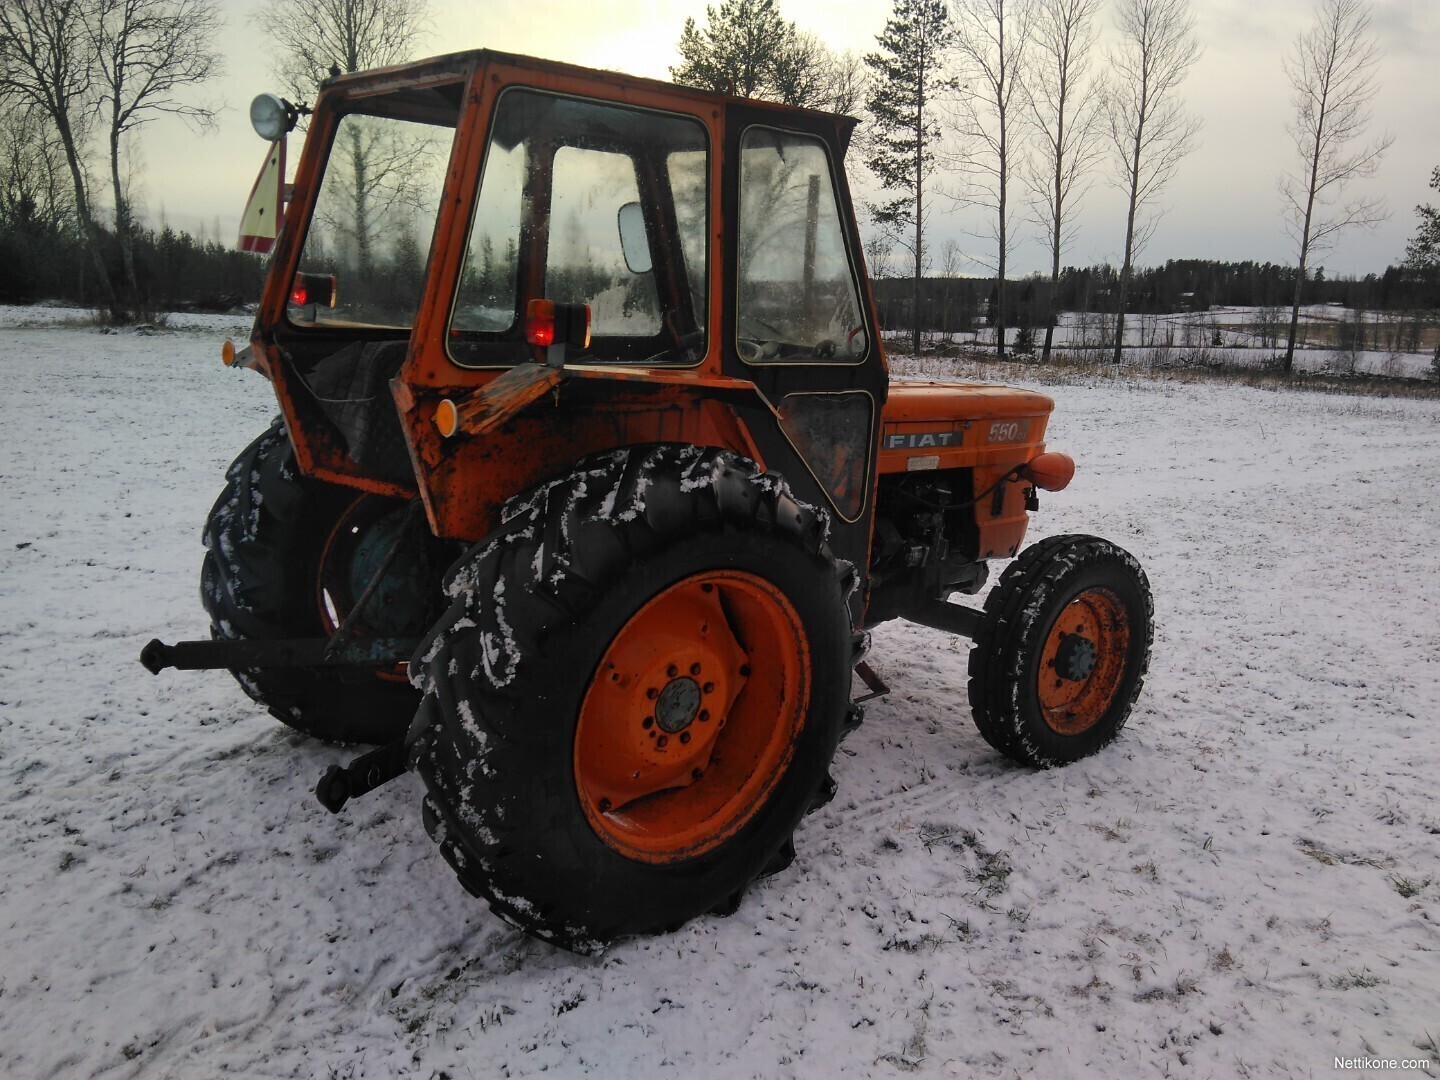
<point>797,318</point>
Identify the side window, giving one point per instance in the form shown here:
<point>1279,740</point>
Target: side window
<point>489,283</point>
<point>797,299</point>
<point>593,203</point>
<point>585,263</point>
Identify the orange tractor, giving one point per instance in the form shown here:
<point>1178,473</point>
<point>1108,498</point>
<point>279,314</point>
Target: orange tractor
<point>589,482</point>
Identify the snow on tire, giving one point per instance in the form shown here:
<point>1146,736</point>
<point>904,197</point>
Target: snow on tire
<point>264,541</point>
<point>635,694</point>
<point>1062,650</point>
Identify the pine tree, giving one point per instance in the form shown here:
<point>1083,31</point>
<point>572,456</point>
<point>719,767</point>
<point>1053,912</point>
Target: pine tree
<point>739,50</point>
<point>1422,254</point>
<point>909,75</point>
<point>746,48</point>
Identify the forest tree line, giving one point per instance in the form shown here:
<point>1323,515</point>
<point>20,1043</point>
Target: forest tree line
<point>1011,104</point>
<point>960,304</point>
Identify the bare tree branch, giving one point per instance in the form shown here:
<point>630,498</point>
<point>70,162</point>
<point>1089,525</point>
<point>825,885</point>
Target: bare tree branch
<point>352,35</point>
<point>48,67</point>
<point>34,182</point>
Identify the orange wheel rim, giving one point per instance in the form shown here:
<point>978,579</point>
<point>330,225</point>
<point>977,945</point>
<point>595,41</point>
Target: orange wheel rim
<point>1083,661</point>
<point>692,715</point>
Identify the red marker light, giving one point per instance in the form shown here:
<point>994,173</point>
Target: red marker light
<point>317,289</point>
<point>540,323</point>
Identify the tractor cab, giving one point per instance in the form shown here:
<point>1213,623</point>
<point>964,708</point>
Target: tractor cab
<point>564,261</point>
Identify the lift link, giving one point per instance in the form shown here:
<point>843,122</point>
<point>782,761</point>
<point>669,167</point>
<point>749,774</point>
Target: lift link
<point>340,784</point>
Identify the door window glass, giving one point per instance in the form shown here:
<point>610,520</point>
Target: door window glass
<point>797,299</point>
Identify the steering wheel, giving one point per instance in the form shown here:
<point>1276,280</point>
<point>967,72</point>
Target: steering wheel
<point>857,334</point>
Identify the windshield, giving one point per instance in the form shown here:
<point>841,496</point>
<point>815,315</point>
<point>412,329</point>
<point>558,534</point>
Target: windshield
<point>591,203</point>
<point>376,211</point>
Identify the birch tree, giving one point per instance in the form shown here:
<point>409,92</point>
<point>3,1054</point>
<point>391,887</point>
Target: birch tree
<point>1149,130</point>
<point>1332,72</point>
<point>1066,112</point>
<point>991,38</point>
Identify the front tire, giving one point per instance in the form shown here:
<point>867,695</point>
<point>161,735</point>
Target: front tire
<point>1062,650</point>
<point>635,696</point>
<point>285,558</point>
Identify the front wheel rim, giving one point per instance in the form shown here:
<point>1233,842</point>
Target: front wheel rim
<point>1083,661</point>
<point>692,716</point>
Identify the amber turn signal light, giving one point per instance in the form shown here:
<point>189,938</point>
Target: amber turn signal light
<point>1052,471</point>
<point>447,418</point>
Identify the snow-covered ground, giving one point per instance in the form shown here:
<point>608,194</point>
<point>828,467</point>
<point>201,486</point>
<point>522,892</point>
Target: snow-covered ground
<point>1246,884</point>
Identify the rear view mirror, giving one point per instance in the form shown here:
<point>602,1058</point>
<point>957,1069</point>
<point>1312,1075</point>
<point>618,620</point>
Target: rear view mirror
<point>634,240</point>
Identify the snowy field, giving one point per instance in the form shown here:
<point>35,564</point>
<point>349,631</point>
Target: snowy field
<point>1246,884</point>
<point>1231,336</point>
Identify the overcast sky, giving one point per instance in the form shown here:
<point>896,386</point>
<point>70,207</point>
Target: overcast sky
<point>1223,203</point>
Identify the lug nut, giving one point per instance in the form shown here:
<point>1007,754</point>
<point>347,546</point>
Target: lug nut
<point>694,669</point>
<point>648,723</point>
<point>704,715</point>
<point>709,688</point>
<point>661,742</point>
<point>652,693</point>
<point>672,671</point>
<point>684,737</point>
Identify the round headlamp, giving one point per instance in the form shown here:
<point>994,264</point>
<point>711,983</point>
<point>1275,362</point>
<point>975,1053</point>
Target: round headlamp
<point>272,117</point>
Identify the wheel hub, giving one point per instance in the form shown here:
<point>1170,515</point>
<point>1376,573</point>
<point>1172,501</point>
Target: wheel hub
<point>677,704</point>
<point>1075,658</point>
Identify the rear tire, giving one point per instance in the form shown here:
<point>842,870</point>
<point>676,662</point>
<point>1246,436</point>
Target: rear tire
<point>266,539</point>
<point>635,695</point>
<point>1062,650</point>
